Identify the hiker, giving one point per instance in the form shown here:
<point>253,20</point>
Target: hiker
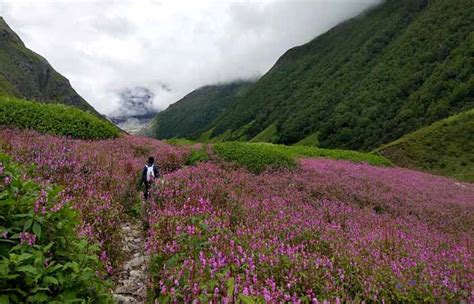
<point>150,172</point>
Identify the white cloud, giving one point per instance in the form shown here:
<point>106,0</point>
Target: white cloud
<point>107,46</point>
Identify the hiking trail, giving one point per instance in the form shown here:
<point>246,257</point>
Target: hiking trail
<point>131,283</point>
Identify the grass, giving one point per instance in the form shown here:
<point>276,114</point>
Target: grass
<point>6,88</point>
<point>354,156</point>
<point>197,155</point>
<point>446,148</point>
<point>258,157</point>
<point>54,119</point>
<point>205,137</point>
<point>266,135</point>
<point>310,140</point>
<point>255,157</point>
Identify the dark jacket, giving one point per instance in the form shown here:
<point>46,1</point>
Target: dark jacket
<point>145,170</point>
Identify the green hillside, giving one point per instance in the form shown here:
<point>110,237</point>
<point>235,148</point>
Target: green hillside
<point>446,147</point>
<point>197,111</point>
<point>398,67</point>
<point>25,74</point>
<point>54,119</point>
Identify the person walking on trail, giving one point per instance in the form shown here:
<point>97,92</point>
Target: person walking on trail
<point>149,174</point>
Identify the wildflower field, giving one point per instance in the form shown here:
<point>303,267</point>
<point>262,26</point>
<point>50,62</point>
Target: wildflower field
<point>318,230</point>
<point>100,178</point>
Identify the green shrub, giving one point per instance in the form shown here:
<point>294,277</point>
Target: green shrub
<point>41,258</point>
<point>197,155</point>
<point>354,156</point>
<point>259,156</point>
<point>54,119</point>
<point>255,157</point>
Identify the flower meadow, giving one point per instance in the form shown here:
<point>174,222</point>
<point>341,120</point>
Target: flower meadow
<point>325,231</point>
<point>42,259</point>
<point>332,231</point>
<point>100,177</point>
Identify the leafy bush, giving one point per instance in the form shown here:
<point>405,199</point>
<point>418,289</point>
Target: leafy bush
<point>255,157</point>
<point>198,154</point>
<point>41,258</point>
<point>54,119</point>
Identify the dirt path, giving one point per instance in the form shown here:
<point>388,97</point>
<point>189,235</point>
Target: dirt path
<point>131,283</point>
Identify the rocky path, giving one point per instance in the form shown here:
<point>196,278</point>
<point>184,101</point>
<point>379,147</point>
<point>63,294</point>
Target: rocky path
<point>131,280</point>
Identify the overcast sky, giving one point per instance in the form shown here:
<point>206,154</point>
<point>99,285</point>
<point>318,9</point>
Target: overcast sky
<point>172,47</point>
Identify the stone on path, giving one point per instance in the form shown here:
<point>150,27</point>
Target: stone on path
<point>131,287</point>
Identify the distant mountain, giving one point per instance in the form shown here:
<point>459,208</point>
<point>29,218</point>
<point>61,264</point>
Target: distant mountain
<point>135,110</point>
<point>445,147</point>
<point>396,68</point>
<point>25,74</point>
<point>134,124</point>
<point>197,111</point>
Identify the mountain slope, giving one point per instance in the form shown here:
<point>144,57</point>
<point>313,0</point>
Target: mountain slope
<point>445,147</point>
<point>368,81</point>
<point>25,74</point>
<point>197,111</point>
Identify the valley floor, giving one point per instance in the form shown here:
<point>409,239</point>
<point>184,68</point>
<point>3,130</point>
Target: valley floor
<point>216,233</point>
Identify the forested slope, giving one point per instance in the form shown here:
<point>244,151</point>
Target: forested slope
<point>197,111</point>
<point>25,74</point>
<point>368,81</point>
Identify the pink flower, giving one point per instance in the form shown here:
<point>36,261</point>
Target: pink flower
<point>103,256</point>
<point>281,236</point>
<point>27,238</point>
<point>109,269</point>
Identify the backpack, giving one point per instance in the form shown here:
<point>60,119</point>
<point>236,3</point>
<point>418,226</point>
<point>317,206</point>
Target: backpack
<point>150,173</point>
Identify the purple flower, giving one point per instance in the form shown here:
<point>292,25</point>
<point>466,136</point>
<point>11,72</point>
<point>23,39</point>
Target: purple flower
<point>280,236</point>
<point>27,238</point>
